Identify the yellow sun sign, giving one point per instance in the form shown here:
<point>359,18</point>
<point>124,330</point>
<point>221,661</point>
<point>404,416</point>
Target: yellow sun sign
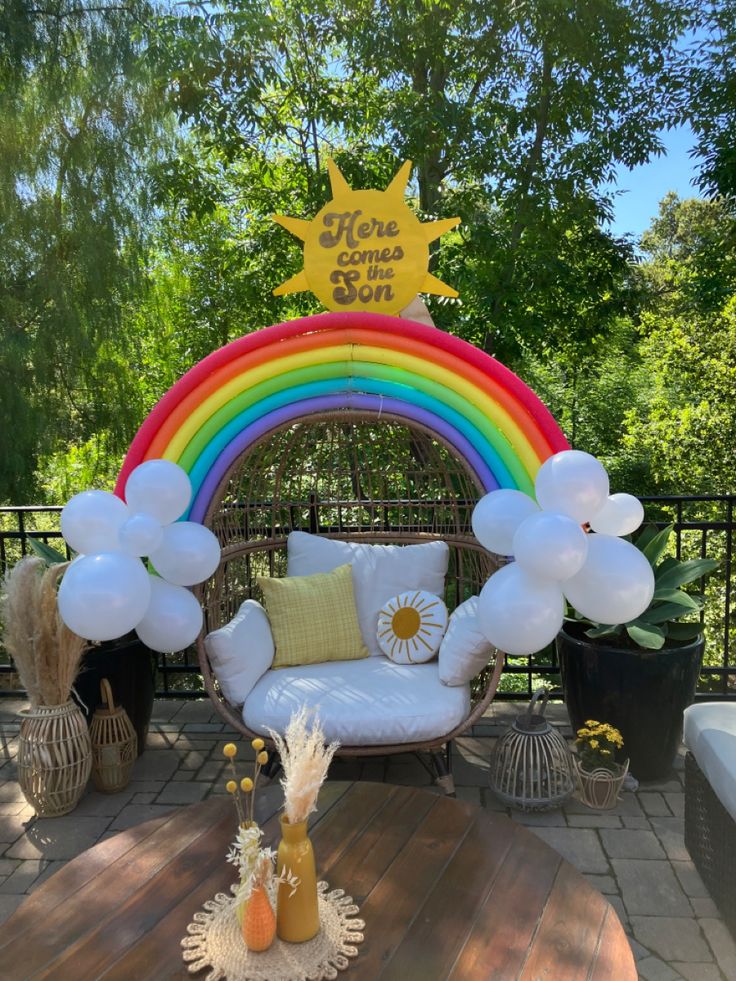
<point>366,250</point>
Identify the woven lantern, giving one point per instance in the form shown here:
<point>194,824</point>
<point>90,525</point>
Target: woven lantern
<point>114,744</point>
<point>532,767</point>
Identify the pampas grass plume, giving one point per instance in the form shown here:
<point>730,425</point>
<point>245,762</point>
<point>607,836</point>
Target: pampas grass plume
<point>305,759</point>
<point>45,651</point>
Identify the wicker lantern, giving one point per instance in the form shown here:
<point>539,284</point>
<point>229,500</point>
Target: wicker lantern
<point>114,744</point>
<point>531,765</point>
<point>54,758</point>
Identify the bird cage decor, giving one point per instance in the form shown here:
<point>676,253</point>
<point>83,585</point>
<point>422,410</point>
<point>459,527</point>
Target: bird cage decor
<point>532,768</point>
<point>114,744</point>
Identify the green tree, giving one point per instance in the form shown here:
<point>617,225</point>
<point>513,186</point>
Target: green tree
<point>535,103</point>
<point>513,114</point>
<point>686,432</point>
<point>691,247</point>
<point>685,429</point>
<point>710,98</point>
<point>79,119</point>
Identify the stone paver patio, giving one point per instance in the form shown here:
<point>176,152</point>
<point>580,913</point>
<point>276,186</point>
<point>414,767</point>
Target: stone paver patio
<point>634,854</point>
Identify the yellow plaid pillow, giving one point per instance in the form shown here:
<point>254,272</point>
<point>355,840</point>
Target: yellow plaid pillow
<point>313,618</point>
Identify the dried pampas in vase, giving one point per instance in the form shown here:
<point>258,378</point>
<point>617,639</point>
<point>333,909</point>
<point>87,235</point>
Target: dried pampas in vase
<point>305,759</point>
<point>45,652</point>
<point>54,750</point>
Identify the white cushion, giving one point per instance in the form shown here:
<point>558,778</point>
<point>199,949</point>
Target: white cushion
<point>371,702</point>
<point>464,651</point>
<point>709,733</point>
<point>411,627</point>
<point>241,651</point>
<point>379,571</point>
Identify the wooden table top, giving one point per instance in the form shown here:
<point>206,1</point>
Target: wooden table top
<point>447,890</point>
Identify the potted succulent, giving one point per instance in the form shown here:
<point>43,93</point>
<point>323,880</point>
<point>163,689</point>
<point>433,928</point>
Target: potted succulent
<point>641,675</point>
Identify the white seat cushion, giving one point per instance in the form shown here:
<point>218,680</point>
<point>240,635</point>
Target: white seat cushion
<point>372,702</point>
<point>379,572</point>
<point>710,734</point>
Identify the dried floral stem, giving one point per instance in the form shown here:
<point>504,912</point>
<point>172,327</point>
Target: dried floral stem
<point>46,653</point>
<point>246,814</point>
<point>236,796</point>
<point>252,802</point>
<point>305,759</point>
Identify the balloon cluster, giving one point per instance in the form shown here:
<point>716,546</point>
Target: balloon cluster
<point>107,590</point>
<point>606,579</point>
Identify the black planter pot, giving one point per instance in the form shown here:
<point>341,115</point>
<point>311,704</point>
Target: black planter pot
<point>642,693</point>
<point>130,667</point>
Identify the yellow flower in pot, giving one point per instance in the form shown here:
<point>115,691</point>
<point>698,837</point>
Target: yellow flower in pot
<point>600,776</point>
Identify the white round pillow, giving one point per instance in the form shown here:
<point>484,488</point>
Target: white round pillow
<point>411,627</point>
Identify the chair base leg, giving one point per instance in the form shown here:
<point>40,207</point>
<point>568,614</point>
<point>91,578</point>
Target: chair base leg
<point>270,771</point>
<point>442,765</point>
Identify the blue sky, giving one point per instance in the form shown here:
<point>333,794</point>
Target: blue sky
<point>645,186</point>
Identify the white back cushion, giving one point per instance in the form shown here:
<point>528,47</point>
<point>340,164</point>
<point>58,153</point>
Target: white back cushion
<point>379,571</point>
<point>464,651</point>
<point>241,651</point>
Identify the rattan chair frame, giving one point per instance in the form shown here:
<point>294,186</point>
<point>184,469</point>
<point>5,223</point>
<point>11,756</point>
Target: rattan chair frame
<point>470,563</point>
<point>710,837</point>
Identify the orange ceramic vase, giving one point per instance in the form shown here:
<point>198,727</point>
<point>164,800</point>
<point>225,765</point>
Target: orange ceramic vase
<point>259,921</point>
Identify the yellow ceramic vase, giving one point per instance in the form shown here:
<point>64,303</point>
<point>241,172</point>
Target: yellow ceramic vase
<point>259,922</point>
<point>297,916</point>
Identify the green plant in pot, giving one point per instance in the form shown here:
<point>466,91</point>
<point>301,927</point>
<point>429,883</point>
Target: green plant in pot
<point>640,676</point>
<point>126,662</point>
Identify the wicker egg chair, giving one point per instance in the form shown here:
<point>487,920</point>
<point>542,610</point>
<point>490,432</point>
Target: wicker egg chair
<point>351,476</point>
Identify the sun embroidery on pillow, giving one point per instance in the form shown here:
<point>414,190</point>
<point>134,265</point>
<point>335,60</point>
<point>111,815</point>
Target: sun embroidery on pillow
<point>410,627</point>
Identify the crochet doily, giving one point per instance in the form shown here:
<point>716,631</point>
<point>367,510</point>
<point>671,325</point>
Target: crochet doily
<point>214,940</point>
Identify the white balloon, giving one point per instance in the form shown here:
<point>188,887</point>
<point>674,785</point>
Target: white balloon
<point>189,553</point>
<point>616,583</point>
<point>550,546</point>
<point>173,619</point>
<point>572,483</point>
<point>621,514</point>
<point>91,520</point>
<point>497,516</point>
<point>141,534</point>
<point>104,596</point>
<point>518,613</point>
<point>160,488</point>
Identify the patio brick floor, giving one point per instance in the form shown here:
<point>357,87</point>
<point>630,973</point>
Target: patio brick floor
<point>634,854</point>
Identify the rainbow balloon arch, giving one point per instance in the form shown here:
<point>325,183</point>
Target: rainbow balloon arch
<point>366,362</point>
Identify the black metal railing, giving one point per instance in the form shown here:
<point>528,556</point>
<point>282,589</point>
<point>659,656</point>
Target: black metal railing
<point>703,525</point>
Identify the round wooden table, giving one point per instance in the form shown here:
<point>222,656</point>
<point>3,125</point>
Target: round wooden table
<point>447,890</point>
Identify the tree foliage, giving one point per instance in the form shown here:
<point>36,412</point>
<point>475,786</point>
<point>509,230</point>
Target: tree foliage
<point>77,121</point>
<point>686,430</point>
<point>711,98</point>
<point>145,147</point>
<point>513,114</point>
